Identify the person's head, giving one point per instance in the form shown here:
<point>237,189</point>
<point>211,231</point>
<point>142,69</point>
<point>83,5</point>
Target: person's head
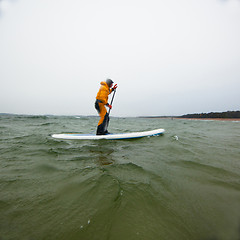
<point>109,82</point>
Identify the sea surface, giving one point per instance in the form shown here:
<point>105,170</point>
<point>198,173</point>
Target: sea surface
<point>179,186</point>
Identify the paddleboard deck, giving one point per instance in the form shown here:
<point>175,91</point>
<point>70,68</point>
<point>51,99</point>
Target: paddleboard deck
<point>117,136</point>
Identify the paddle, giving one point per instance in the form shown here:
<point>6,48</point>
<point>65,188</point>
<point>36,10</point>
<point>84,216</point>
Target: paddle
<point>111,101</point>
<point>107,115</point>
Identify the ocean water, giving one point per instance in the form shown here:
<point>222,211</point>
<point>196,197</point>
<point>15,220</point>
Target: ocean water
<point>182,185</point>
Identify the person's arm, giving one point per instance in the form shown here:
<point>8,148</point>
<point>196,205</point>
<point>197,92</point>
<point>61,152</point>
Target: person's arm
<point>104,97</point>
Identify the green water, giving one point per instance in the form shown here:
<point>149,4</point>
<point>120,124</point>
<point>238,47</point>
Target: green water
<point>182,185</point>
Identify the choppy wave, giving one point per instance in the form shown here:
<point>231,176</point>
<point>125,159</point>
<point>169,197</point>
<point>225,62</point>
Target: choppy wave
<point>183,185</point>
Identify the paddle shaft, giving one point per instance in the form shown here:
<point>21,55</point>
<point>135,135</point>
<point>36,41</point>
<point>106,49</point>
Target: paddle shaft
<point>106,118</point>
<point>111,101</point>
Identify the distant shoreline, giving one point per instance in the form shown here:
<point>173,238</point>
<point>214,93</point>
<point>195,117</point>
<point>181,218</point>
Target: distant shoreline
<point>209,119</point>
<point>202,119</point>
<point>212,116</point>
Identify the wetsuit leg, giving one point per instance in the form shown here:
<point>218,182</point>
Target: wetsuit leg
<point>102,124</point>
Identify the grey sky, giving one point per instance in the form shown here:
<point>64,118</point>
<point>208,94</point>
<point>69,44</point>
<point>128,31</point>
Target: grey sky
<point>169,57</point>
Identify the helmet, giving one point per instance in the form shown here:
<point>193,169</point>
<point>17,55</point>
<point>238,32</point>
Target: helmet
<point>109,82</point>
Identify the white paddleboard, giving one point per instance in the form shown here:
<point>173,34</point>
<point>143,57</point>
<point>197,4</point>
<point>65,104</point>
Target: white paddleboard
<point>77,136</point>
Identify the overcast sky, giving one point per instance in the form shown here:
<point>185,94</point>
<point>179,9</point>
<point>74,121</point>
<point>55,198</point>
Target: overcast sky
<point>168,57</point>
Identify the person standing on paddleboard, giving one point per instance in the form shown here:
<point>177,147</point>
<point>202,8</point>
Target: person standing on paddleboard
<point>106,88</point>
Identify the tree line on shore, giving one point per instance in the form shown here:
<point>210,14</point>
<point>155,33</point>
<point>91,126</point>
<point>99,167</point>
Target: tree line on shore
<point>228,114</point>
